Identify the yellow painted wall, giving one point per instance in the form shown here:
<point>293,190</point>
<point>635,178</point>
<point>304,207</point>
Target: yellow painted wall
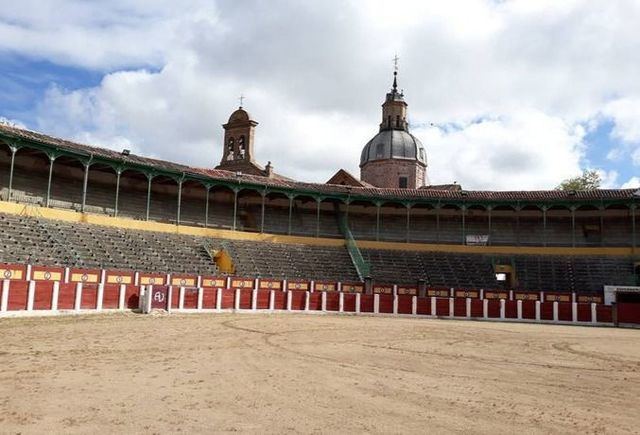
<point>119,222</point>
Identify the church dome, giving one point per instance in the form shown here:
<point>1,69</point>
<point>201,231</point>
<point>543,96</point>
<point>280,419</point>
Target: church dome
<point>393,144</point>
<point>239,115</point>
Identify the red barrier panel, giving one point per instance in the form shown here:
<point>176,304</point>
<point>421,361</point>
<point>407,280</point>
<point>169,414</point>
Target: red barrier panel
<point>546,311</point>
<point>511,309</point>
<point>132,297</point>
<point>209,296</point>
<point>43,295</point>
<point>190,298</point>
<point>67,296</point>
<point>262,301</point>
<point>89,297</point>
<point>110,296</point>
<point>405,304</point>
<point>13,272</point>
<point>493,308</point>
<point>333,301</point>
<point>565,311</point>
<point>385,303</point>
<point>175,297</point>
<point>584,312</point>
<point>279,300</point>
<point>18,293</point>
<point>603,313</point>
<point>366,304</point>
<point>349,303</point>
<point>298,300</point>
<point>442,306</point>
<point>460,307</point>
<point>424,306</point>
<point>245,299</point>
<point>477,309</point>
<point>628,312</point>
<point>315,301</point>
<point>529,309</point>
<point>228,299</point>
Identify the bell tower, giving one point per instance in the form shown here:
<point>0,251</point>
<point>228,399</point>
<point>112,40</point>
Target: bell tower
<point>239,134</point>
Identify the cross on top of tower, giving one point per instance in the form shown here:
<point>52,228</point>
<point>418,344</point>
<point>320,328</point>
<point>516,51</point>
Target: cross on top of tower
<point>241,99</point>
<point>395,63</point>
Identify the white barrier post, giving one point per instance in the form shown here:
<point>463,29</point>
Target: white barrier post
<point>169,297</point>
<point>519,308</point>
<point>574,312</point>
<point>341,303</point>
<point>468,308</point>
<point>503,309</point>
<point>254,299</point>
<point>358,298</point>
<point>123,290</point>
<point>5,295</point>
<point>555,311</point>
<point>324,301</point>
<point>537,311</point>
<point>414,305</point>
<point>78,300</point>
<point>485,308</point>
<point>272,300</point>
<point>289,300</point>
<point>100,296</point>
<point>433,305</point>
<point>451,307</point>
<point>54,296</point>
<point>219,299</point>
<point>594,313</point>
<point>28,277</point>
<point>181,298</point>
<point>200,295</point>
<point>31,294</point>
<point>236,299</point>
<point>307,297</point>
<point>376,303</point>
<point>395,301</point>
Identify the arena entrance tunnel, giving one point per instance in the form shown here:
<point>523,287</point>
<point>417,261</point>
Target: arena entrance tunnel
<point>627,307</point>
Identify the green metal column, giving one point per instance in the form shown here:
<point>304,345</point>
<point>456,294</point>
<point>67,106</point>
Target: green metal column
<point>318,202</point>
<point>149,177</point>
<point>235,208</point>
<point>118,173</point>
<point>464,229</point>
<point>179,202</point>
<point>264,200</point>
<point>13,158</point>
<point>51,160</point>
<point>489,209</point>
<point>408,236</point>
<point>84,186</point>
<point>573,226</point>
<point>206,207</point>
<point>377,222</point>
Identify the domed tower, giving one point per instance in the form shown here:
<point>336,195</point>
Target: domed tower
<point>237,151</point>
<point>394,157</point>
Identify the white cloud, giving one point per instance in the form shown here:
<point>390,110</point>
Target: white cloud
<point>518,79</point>
<point>632,183</point>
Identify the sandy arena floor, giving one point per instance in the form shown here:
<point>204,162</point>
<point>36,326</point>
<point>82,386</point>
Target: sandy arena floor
<point>311,373</point>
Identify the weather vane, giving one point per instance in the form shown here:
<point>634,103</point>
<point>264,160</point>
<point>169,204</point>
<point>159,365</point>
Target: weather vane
<point>241,99</point>
<point>395,63</point>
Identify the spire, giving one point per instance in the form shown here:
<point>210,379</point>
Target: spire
<point>241,99</point>
<point>395,73</point>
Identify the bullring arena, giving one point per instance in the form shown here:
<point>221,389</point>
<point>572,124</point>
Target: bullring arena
<point>141,295</point>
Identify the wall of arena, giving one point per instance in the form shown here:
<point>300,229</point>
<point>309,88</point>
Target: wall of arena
<point>34,290</point>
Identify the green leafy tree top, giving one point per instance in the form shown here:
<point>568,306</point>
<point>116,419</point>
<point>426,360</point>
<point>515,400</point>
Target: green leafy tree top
<point>589,180</point>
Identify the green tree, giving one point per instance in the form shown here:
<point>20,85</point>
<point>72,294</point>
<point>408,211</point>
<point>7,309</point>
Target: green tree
<point>589,180</point>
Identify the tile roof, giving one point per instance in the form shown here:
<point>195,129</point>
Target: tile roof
<point>431,193</point>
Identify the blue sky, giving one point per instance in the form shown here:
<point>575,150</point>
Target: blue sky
<point>504,95</point>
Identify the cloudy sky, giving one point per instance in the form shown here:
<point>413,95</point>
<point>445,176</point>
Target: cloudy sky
<point>504,94</point>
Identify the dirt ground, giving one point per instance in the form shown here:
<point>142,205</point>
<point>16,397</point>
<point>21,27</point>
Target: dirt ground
<point>312,373</point>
